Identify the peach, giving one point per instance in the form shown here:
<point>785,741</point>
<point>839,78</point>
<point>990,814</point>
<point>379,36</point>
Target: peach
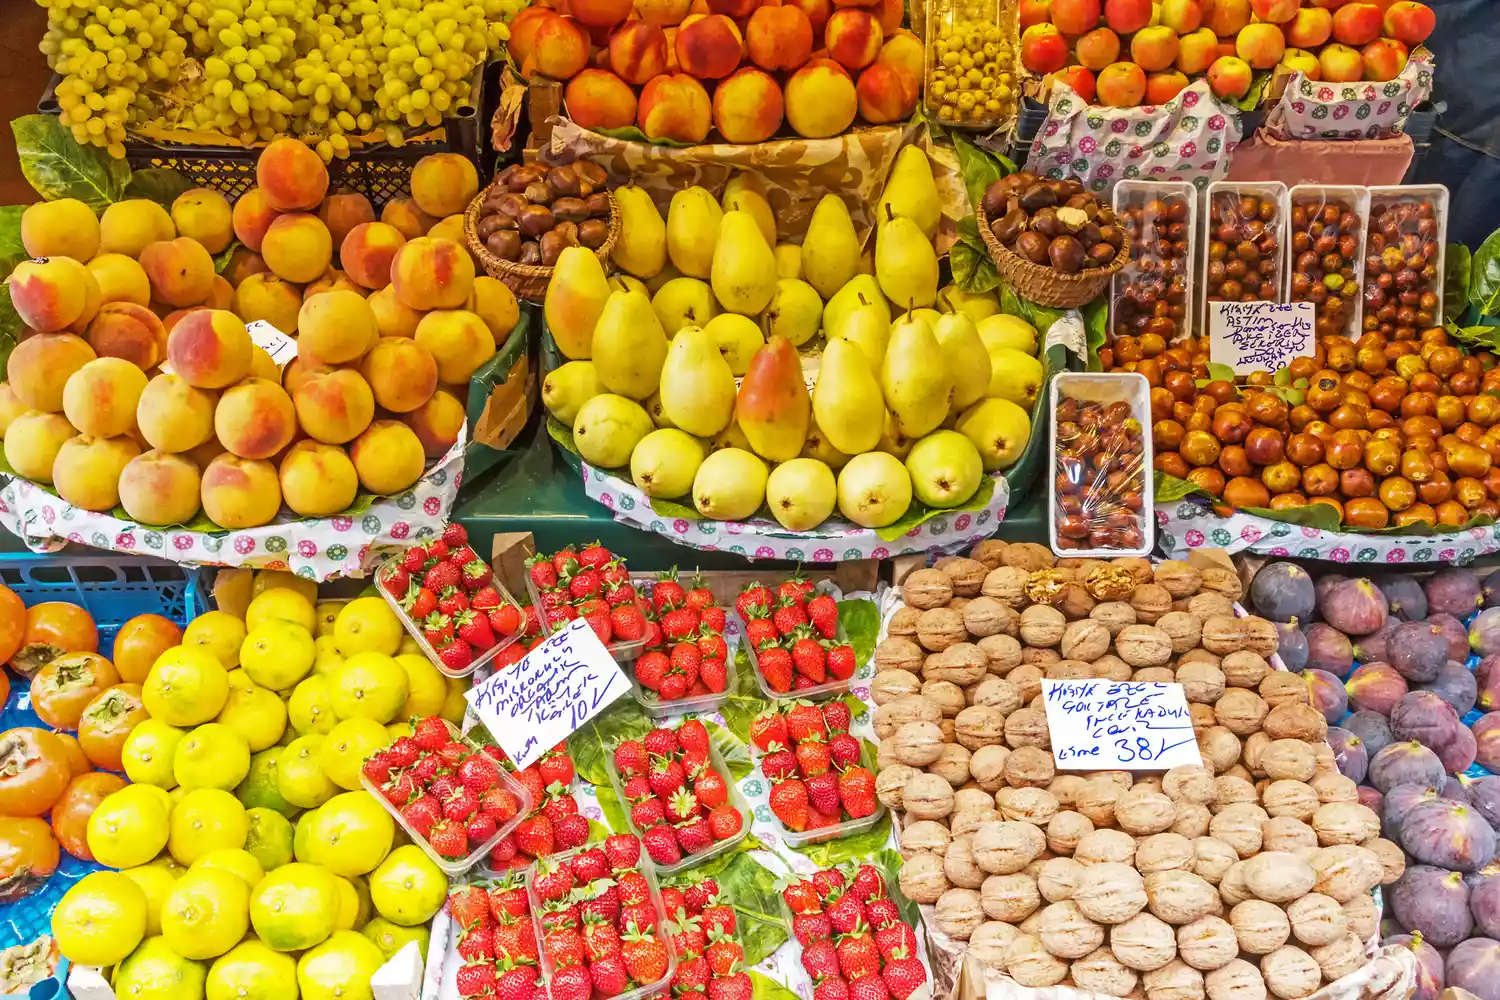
<point>432,274</point>
<point>336,327</point>
<point>318,480</point>
<point>1043,50</point>
<point>671,33</point>
<point>130,332</point>
<point>885,94</point>
<point>210,348</point>
<point>1074,17</point>
<point>220,296</point>
<point>336,406</point>
<point>1182,16</point>
<point>1357,24</point>
<point>459,341</point>
<point>129,226</point>
<point>170,320</point>
<point>367,251</point>
<point>403,214</point>
<point>344,209</point>
<point>268,298</point>
<point>11,407</point>
<point>251,217</point>
<point>820,99</point>
<point>852,37</point>
<point>494,303</point>
<point>32,442</point>
<point>1127,16</point>
<point>1260,45</point>
<point>662,13</point>
<point>1154,49</point>
<point>100,398</point>
<point>1098,48</point>
<point>1384,59</point>
<point>599,13</point>
<point>120,279</point>
<point>1197,51</point>
<point>1079,80</point>
<point>1230,77</point>
<point>62,228</point>
<point>903,51</point>
<point>1275,11</point>
<point>444,183</point>
<point>523,31</point>
<point>437,423</point>
<point>708,47</point>
<point>1341,64</point>
<point>1227,17</point>
<point>1304,62</point>
<point>160,488</point>
<point>1121,85</point>
<point>300,369</point>
<point>388,457</point>
<point>240,492</point>
<point>889,14</point>
<point>244,262</point>
<point>817,12</point>
<point>401,373</point>
<point>39,368</point>
<point>333,280</point>
<point>261,365</point>
<point>53,293</point>
<point>297,247</point>
<point>779,38</point>
<point>597,98</point>
<point>181,271</point>
<point>1409,22</point>
<point>291,177</point>
<point>738,10</point>
<point>674,106</point>
<point>451,227</point>
<point>1034,12</point>
<point>205,215</point>
<point>87,470</point>
<point>392,319</point>
<point>560,48</point>
<point>747,106</point>
<point>1163,87</point>
<point>255,418</point>
<point>638,51</point>
<point>1310,28</point>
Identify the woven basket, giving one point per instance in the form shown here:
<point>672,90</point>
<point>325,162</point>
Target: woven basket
<point>527,281</point>
<point>1044,285</point>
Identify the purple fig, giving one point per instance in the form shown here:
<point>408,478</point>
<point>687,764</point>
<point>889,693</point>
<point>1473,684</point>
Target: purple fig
<point>1371,727</point>
<point>1328,649</point>
<point>1405,596</point>
<point>1433,902</point>
<point>1484,795</point>
<point>1490,589</point>
<point>1454,592</point>
<point>1405,764</point>
<point>1371,648</point>
<point>1486,732</point>
<point>1283,592</point>
<point>1430,972</point>
<point>1325,583</point>
<point>1354,607</point>
<point>1376,687</point>
<point>1327,694</point>
<point>1417,651</point>
<point>1425,718</point>
<point>1291,646</point>
<point>1370,798</point>
<point>1448,834</point>
<point>1348,753</point>
<point>1474,965</point>
<point>1455,685</point>
<point>1401,800</point>
<point>1455,633</point>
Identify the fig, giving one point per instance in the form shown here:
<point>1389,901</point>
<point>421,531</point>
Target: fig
<point>1425,718</point>
<point>1484,903</point>
<point>1328,649</point>
<point>1372,647</point>
<point>1484,796</point>
<point>1283,592</point>
<point>1433,902</point>
<point>1354,607</point>
<point>1455,788</point>
<point>1291,646</point>
<point>1406,599</point>
<point>1401,800</point>
<point>1370,798</point>
<point>1375,687</point>
<point>1418,651</point>
<point>1448,834</point>
<point>1454,592</point>
<point>1326,583</point>
<point>1484,632</point>
<point>1454,632</point>
<point>1474,965</point>
<point>1490,589</point>
<point>1326,693</point>
<point>1487,741</point>
<point>1487,678</point>
<point>1459,750</point>
<point>1456,685</point>
<point>1430,972</point>
<point>1372,728</point>
<point>1407,763</point>
<point>1348,753</point>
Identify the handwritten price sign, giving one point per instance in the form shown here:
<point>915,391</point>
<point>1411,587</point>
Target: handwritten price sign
<point>1101,725</point>
<point>1259,336</point>
<point>533,705</point>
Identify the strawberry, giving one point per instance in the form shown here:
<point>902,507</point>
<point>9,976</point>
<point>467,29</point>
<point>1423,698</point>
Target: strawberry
<point>803,721</point>
<point>895,934</point>
<point>837,716</point>
<point>504,852</point>
<point>455,534</point>
<point>623,851</point>
<point>440,577</point>
<point>687,660</point>
<point>448,839</point>
<point>802,896</point>
<point>827,881</point>
<point>505,619</point>
<point>460,805</point>
<point>564,945</point>
<point>584,583</point>
<point>599,621</point>
<point>553,881</point>
<point>724,953</point>
<point>718,916</point>
<point>627,622</point>
<point>609,976</point>
<point>666,777</point>
<point>556,769</point>
<point>691,976</point>
<point>845,914</point>
<point>565,561</point>
<point>809,657</point>
<point>600,939</point>
<point>699,596</point>
<point>822,790</point>
<point>667,593</point>
<point>395,580</point>
<point>533,620</point>
<point>712,620</point>
<point>613,573</point>
<point>645,956</point>
<point>779,764</point>
<point>674,686</point>
<point>431,733</point>
<point>474,628</point>
<point>834,988</point>
<point>378,768</point>
<point>638,789</point>
<point>869,988</point>
<point>711,790</point>
<point>768,730</point>
<point>788,616</point>
<point>633,888</point>
<point>475,573</point>
<point>903,974</point>
<point>661,844</point>
<point>692,735</point>
<point>480,828</point>
<point>712,646</point>
<point>857,791</point>
<point>761,633</point>
<point>518,983</point>
<point>823,612</point>
<point>694,835</point>
<point>595,555</point>
<point>651,668</point>
<point>509,654</point>
<point>534,836</point>
<point>694,763</point>
<point>515,936</point>
<point>775,666</point>
<point>542,573</point>
<point>725,821</point>
<point>570,832</point>
<point>456,655</point>
<point>840,661</point>
<point>753,596</point>
<point>811,927</point>
<point>437,629</point>
<point>507,899</point>
<point>476,980</point>
<point>437,551</point>
<point>419,602</point>
<point>789,803</point>
<point>413,559</point>
<point>631,758</point>
<point>843,750</point>
<point>682,805</point>
<point>590,865</point>
<point>648,813</point>
<point>660,742</point>
<point>868,883</point>
<point>478,773</point>
<point>735,986</point>
<point>470,908</point>
<point>858,956</point>
<point>572,983</point>
<point>796,589</point>
<point>820,960</point>
<point>679,623</point>
<point>606,904</point>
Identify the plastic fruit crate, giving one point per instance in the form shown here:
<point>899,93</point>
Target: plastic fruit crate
<point>623,652</point>
<point>415,631</point>
<point>847,828</point>
<point>826,689</point>
<point>653,704</point>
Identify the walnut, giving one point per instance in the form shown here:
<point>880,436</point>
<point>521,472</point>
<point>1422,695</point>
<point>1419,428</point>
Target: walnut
<point>1039,657</point>
<point>965,574</point>
<point>1030,964</point>
<point>1232,788</point>
<point>1189,781</point>
<point>1029,556</point>
<point>1392,859</point>
<point>1290,973</point>
<point>1296,722</point>
<point>890,783</point>
<point>1287,833</point>
<point>989,552</point>
<point>1288,759</point>
<point>1180,897</point>
<point>1207,943</point>
<point>989,942</point>
<point>1238,826</point>
<point>927,796</point>
<point>948,697</point>
<point>1220,747</point>
<point>1110,667</point>
<point>1202,716</point>
<point>1340,957</point>
<point>885,754</point>
<point>1362,916</point>
<point>1096,800</point>
<point>1291,798</point>
<point>1163,852</point>
<point>958,863</point>
<point>1109,583</point>
<point>1174,981</point>
<point>963,663</point>
<point>1026,727</point>
<point>1334,787</point>
<point>986,616</point>
<point>1005,848</point>
<point>1143,942</point>
<point>1153,675</point>
<point>1190,819</point>
<point>1223,582</point>
<point>1240,711</point>
<point>1236,980</point>
<point>898,653</point>
<point>1183,629</point>
<point>1006,585</point>
<point>1028,805</point>
<point>1059,878</point>
<point>1113,615</point>
<point>1065,830</point>
<point>1261,927</point>
<point>890,685</point>
<point>1150,601</point>
<point>1042,626</point>
<point>918,743</point>
<point>927,588</point>
<point>1246,669</point>
<point>1104,846</point>
<point>964,822</point>
<point>1213,857</point>
<point>1099,972</point>
<point>1065,788</point>
<point>959,913</point>
<point>1317,919</point>
<point>1206,605</point>
<point>1179,579</point>
<point>1202,683</point>
<point>1002,651</point>
<point>1075,602</point>
<point>1111,893</point>
<point>1143,646</point>
<point>978,726</point>
<point>1280,687</point>
<point>922,879</point>
<point>892,715</point>
<point>952,764</point>
<point>939,628</point>
<point>1085,640</point>
<point>971,796</point>
<point>1143,811</point>
<point>924,835</point>
<point>1278,876</point>
<point>1031,767</point>
<point>1344,823</point>
<point>1027,679</point>
<point>999,694</point>
<point>987,766</point>
<point>1224,634</point>
<point>904,622</point>
<point>1066,932</point>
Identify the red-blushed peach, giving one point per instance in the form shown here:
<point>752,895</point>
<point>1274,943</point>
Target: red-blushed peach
<point>170,320</point>
<point>299,370</point>
<point>817,12</point>
<point>671,33</point>
<point>1275,11</point>
<point>459,342</point>
<point>1182,16</point>
<point>388,457</point>
<point>128,331</point>
<point>1043,50</point>
<point>1230,77</point>
<point>317,480</point>
<point>128,226</point>
<point>674,106</point>
<point>1079,80</point>
<point>255,418</point>
<point>367,251</point>
<point>451,228</point>
<point>392,318</point>
<point>663,13</point>
<point>523,31</point>
<point>1260,45</point>
<point>210,348</point>
<point>1409,22</point>
<point>1154,49</point>
<point>820,99</point>
<point>903,51</point>
<point>205,215</point>
<point>708,46</point>
<point>885,94</point>
<point>244,262</point>
<point>403,213</point>
<point>240,492</point>
<point>402,374</point>
<point>1302,61</point>
<point>11,406</point>
<point>1034,12</point>
<point>600,13</point>
<point>1098,49</point>
<point>261,365</point>
<point>297,247</point>
<point>852,37</point>
<point>432,274</point>
<point>52,293</point>
<point>1163,87</point>
<point>120,279</point>
<point>437,423</point>
<point>336,406</point>
<point>779,38</point>
<point>87,470</point>
<point>221,296</point>
<point>1127,16</point>
<point>638,51</point>
<point>40,365</point>
<point>101,397</point>
<point>336,327</point>
<point>332,280</point>
<point>290,176</point>
<point>597,98</point>
<point>268,298</point>
<point>1341,64</point>
<point>1197,51</point>
<point>181,271</point>
<point>159,488</point>
<point>739,10</point>
<point>560,48</point>
<point>1075,17</point>
<point>889,15</point>
<point>32,442</point>
<point>1121,85</point>
<point>1357,24</point>
<point>252,216</point>
<point>62,228</point>
<point>496,304</point>
<point>1310,28</point>
<point>344,209</point>
<point>443,184</point>
<point>1227,17</point>
<point>1384,59</point>
<point>747,106</point>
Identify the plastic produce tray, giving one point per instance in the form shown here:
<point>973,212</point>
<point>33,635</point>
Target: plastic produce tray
<point>847,828</point>
<point>825,689</point>
<point>432,655</point>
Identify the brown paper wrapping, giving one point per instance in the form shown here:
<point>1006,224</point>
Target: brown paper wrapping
<point>1263,157</point>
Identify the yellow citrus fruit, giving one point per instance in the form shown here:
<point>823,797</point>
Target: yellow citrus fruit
<point>260,788</point>
<point>240,681</point>
<point>169,864</point>
<point>391,938</point>
<point>345,748</point>
<point>302,836</point>
<point>396,730</point>
<point>328,658</point>
<point>186,686</point>
<point>211,756</point>
<point>328,613</point>
<point>427,692</point>
<point>340,967</point>
<point>240,862</point>
<point>454,705</point>
<point>277,654</point>
<point>257,715</point>
<point>310,708</point>
<point>207,819</point>
<point>299,775</point>
<point>207,913</point>
<point>155,972</point>
<point>408,888</point>
<point>156,882</point>
<point>270,579</point>
<point>251,971</point>
<point>269,838</point>
<point>368,625</point>
<point>366,908</point>
<point>217,633</point>
<point>351,834</point>
<point>408,647</point>
<point>369,685</point>
<point>128,828</point>
<point>295,907</point>
<point>280,603</point>
<point>148,751</point>
<point>348,904</point>
<point>101,919</point>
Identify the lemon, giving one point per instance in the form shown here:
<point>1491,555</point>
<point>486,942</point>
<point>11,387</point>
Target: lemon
<point>280,603</point>
<point>340,967</point>
<point>207,913</point>
<point>365,909</point>
<point>295,907</point>
<point>251,971</point>
<point>327,658</point>
<point>408,888</point>
<point>168,864</point>
<point>369,685</point>
<point>426,690</point>
<point>217,633</point>
<point>156,882</point>
<point>302,836</point>
<point>128,828</point>
<point>148,751</point>
<point>100,919</point>
<point>259,790</point>
<point>206,820</point>
<point>328,613</point>
<point>211,756</point>
<point>348,905</point>
<point>351,834</point>
<point>277,654</point>
<point>239,862</point>
<point>310,708</point>
<point>368,625</point>
<point>155,972</point>
<point>454,705</point>
<point>271,579</point>
<point>299,776</point>
<point>396,730</point>
<point>408,647</point>
<point>186,686</point>
<point>345,748</point>
<point>240,681</point>
<point>257,715</point>
<point>269,838</point>
<point>391,938</point>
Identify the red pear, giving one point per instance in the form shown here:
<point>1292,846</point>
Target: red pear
<point>773,408</point>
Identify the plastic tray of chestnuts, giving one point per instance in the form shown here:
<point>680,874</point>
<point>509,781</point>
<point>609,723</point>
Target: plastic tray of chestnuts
<point>1328,254</point>
<point>1151,298</point>
<point>1052,223</point>
<point>1243,261</point>
<point>1404,259</point>
<point>1101,460</point>
<point>531,213</point>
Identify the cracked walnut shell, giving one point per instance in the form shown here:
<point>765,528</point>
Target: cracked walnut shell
<point>1109,583</point>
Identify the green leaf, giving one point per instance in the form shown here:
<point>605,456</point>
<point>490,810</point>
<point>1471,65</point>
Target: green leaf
<point>609,802</point>
<point>1314,515</point>
<point>1257,90</point>
<point>1484,283</point>
<point>973,270</point>
<point>889,862</point>
<point>856,847</point>
<point>747,700</point>
<point>598,831</point>
<point>1457,262</point>
<point>630,133</point>
<point>861,622</point>
<point>560,433</point>
<point>11,326</point>
<point>673,509</point>
<point>624,720</point>
<point>979,168</point>
<point>1220,373</point>
<point>763,987</point>
<point>735,751</point>
<point>12,250</point>
<point>1096,328</point>
<point>159,184</point>
<point>751,888</point>
<point>1483,335</point>
<point>56,166</point>
<point>919,513</point>
<point>223,259</point>
<point>857,707</point>
<point>1170,489</point>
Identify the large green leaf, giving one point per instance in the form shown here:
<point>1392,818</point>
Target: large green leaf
<point>889,863</point>
<point>973,270</point>
<point>751,888</point>
<point>979,168</point>
<point>734,750</point>
<point>1457,263</point>
<point>11,326</point>
<point>861,621</point>
<point>1170,489</point>
<point>159,184</point>
<point>763,987</point>
<point>629,133</point>
<point>225,256</point>
<point>674,510</point>
<point>624,720</point>
<point>1484,281</point>
<point>856,847</point>
<point>1096,328</point>
<point>609,802</point>
<point>919,513</point>
<point>56,166</point>
<point>12,250</point>
<point>747,700</point>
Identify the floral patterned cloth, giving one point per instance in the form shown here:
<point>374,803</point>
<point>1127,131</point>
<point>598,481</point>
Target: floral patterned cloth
<point>1310,109</point>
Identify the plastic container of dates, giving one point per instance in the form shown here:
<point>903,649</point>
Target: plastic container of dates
<point>1326,254</point>
<point>970,63</point>
<point>1417,216</point>
<point>1101,512</point>
<point>1154,292</point>
<point>1244,243</point>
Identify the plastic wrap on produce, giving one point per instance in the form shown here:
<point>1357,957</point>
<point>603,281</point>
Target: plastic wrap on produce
<point>1311,109</point>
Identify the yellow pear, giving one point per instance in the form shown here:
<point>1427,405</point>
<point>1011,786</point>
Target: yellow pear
<point>1015,376</point>
<point>999,429</point>
<point>967,360</point>
<point>738,338</point>
<point>911,192</point>
<point>846,402</point>
<point>665,463</point>
<point>730,485</point>
<point>906,263</point>
<point>862,290</point>
<point>641,248</point>
<point>567,388</point>
<point>914,378</point>
<point>870,329</point>
<point>830,250</point>
<point>684,302</point>
<point>692,230</point>
<point>744,268</point>
<point>630,346</point>
<point>697,387</point>
<point>745,193</point>
<point>788,260</point>
<point>575,299</point>
<point>795,312</point>
<point>1007,331</point>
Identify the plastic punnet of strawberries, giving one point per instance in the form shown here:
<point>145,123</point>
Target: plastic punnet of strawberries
<point>686,655</point>
<point>679,803</point>
<point>598,921</point>
<point>704,931</point>
<point>794,633</point>
<point>814,765</point>
<point>453,603</point>
<point>855,945</point>
<point>554,823</point>
<point>589,583</point>
<point>496,938</point>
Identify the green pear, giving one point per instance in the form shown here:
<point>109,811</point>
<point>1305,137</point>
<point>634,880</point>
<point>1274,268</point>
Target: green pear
<point>654,409</point>
<point>684,302</point>
<point>788,260</point>
<point>630,347</point>
<point>567,388</point>
<point>1007,331</point>
<point>664,463</point>
<point>914,378</point>
<point>574,301</point>
<point>846,401</point>
<point>906,263</point>
<point>801,493</point>
<point>910,191</point>
<point>830,250</point>
<point>874,489</point>
<point>977,306</point>
<point>697,387</point>
<point>627,283</point>
<point>641,247</point>
<point>738,338</point>
<point>861,290</point>
<point>608,428</point>
<point>692,230</point>
<point>730,485</point>
<point>999,429</point>
<point>967,360</point>
<point>945,469</point>
<point>744,268</point>
<point>817,446</point>
<point>868,328</point>
<point>795,312</point>
<point>1015,376</point>
<point>745,193</point>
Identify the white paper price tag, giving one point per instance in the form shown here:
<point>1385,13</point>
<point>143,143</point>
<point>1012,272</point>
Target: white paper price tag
<point>278,345</point>
<point>1099,725</point>
<point>531,706</point>
<point>1259,336</point>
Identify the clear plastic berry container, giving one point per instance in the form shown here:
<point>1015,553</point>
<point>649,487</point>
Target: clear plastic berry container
<point>824,690</point>
<point>735,799</point>
<point>1096,502</point>
<point>845,828</point>
<point>415,631</point>
<point>655,707</point>
<point>1337,294</point>
<point>1417,215</point>
<point>892,889</point>
<point>450,866</point>
<point>623,652</point>
<point>1146,297</point>
<point>1245,230</point>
